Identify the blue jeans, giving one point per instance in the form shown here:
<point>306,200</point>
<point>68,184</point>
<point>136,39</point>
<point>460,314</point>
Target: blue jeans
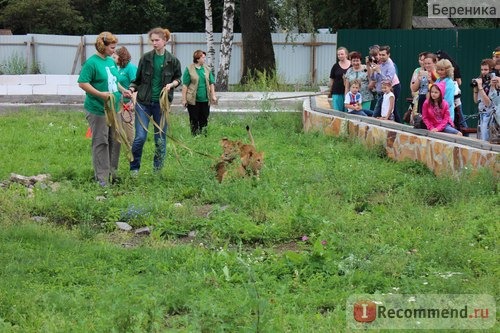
<point>484,122</point>
<point>143,114</point>
<point>377,111</point>
<point>450,129</point>
<point>362,112</point>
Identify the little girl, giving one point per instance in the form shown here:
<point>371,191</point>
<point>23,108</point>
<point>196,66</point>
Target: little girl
<point>387,101</point>
<point>435,111</point>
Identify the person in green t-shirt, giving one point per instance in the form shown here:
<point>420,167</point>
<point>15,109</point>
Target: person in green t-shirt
<point>157,69</point>
<point>99,79</point>
<point>198,90</point>
<point>127,72</point>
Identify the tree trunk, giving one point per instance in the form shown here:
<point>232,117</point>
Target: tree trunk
<point>209,31</point>
<point>396,10</point>
<point>222,82</point>
<point>401,14</point>
<point>258,52</point>
<point>407,14</point>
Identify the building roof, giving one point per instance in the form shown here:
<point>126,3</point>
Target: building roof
<point>5,32</point>
<point>424,22</point>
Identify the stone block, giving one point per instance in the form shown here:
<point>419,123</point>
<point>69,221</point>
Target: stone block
<point>69,90</point>
<point>32,79</point>
<point>62,79</point>
<point>46,89</point>
<point>20,90</point>
<point>10,80</point>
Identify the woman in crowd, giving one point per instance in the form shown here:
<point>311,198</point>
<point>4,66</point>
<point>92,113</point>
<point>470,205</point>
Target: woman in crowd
<point>337,88</point>
<point>359,72</point>
<point>421,81</point>
<point>444,71</point>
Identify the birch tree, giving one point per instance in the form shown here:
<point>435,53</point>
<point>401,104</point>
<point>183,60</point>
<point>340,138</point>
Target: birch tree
<point>226,45</point>
<point>209,32</point>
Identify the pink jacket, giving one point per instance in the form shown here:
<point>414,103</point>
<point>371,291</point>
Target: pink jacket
<point>435,117</point>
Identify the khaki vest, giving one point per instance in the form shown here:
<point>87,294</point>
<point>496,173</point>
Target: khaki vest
<point>193,86</point>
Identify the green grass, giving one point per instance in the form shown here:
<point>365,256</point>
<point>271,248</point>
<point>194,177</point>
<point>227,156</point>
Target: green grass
<point>373,226</point>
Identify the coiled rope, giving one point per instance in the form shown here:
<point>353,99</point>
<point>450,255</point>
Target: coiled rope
<point>165,108</point>
<point>113,122</point>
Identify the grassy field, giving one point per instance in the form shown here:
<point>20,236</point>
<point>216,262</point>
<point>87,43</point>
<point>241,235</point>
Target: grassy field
<point>327,219</point>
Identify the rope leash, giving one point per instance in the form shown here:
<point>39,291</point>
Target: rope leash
<point>112,121</point>
<point>165,108</point>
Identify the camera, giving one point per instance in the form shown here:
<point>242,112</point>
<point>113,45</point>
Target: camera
<point>486,80</point>
<point>372,60</point>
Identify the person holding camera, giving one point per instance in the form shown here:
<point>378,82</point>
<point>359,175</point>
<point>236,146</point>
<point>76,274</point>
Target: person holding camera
<point>383,71</point>
<point>485,93</point>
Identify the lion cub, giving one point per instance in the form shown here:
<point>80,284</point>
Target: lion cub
<point>251,161</point>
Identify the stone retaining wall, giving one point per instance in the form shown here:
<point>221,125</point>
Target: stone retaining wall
<point>442,153</point>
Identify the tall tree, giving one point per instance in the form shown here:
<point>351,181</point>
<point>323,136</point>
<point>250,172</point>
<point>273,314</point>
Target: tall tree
<point>258,52</point>
<point>226,45</point>
<point>401,14</point>
<point>209,32</point>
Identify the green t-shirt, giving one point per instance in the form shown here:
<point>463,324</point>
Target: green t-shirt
<point>102,74</point>
<point>201,91</point>
<point>158,61</point>
<point>127,75</point>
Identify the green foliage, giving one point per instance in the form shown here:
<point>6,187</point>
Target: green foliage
<point>327,219</point>
<point>16,65</point>
<point>262,81</point>
<point>41,16</point>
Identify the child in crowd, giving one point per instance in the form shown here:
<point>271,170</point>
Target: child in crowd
<point>353,99</point>
<point>387,110</point>
<point>435,111</point>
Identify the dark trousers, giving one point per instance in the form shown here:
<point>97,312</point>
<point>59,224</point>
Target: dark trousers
<point>198,117</point>
<point>396,89</point>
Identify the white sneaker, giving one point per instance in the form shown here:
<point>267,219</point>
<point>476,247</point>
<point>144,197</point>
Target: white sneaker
<point>134,173</point>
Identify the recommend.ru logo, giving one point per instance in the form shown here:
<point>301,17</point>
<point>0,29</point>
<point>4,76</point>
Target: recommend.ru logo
<point>421,311</point>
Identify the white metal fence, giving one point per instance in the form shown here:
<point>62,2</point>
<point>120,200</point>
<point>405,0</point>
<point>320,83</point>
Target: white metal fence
<point>304,58</point>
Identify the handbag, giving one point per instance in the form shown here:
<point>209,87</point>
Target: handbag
<point>418,121</point>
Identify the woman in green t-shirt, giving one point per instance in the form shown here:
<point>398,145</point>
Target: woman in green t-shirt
<point>99,79</point>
